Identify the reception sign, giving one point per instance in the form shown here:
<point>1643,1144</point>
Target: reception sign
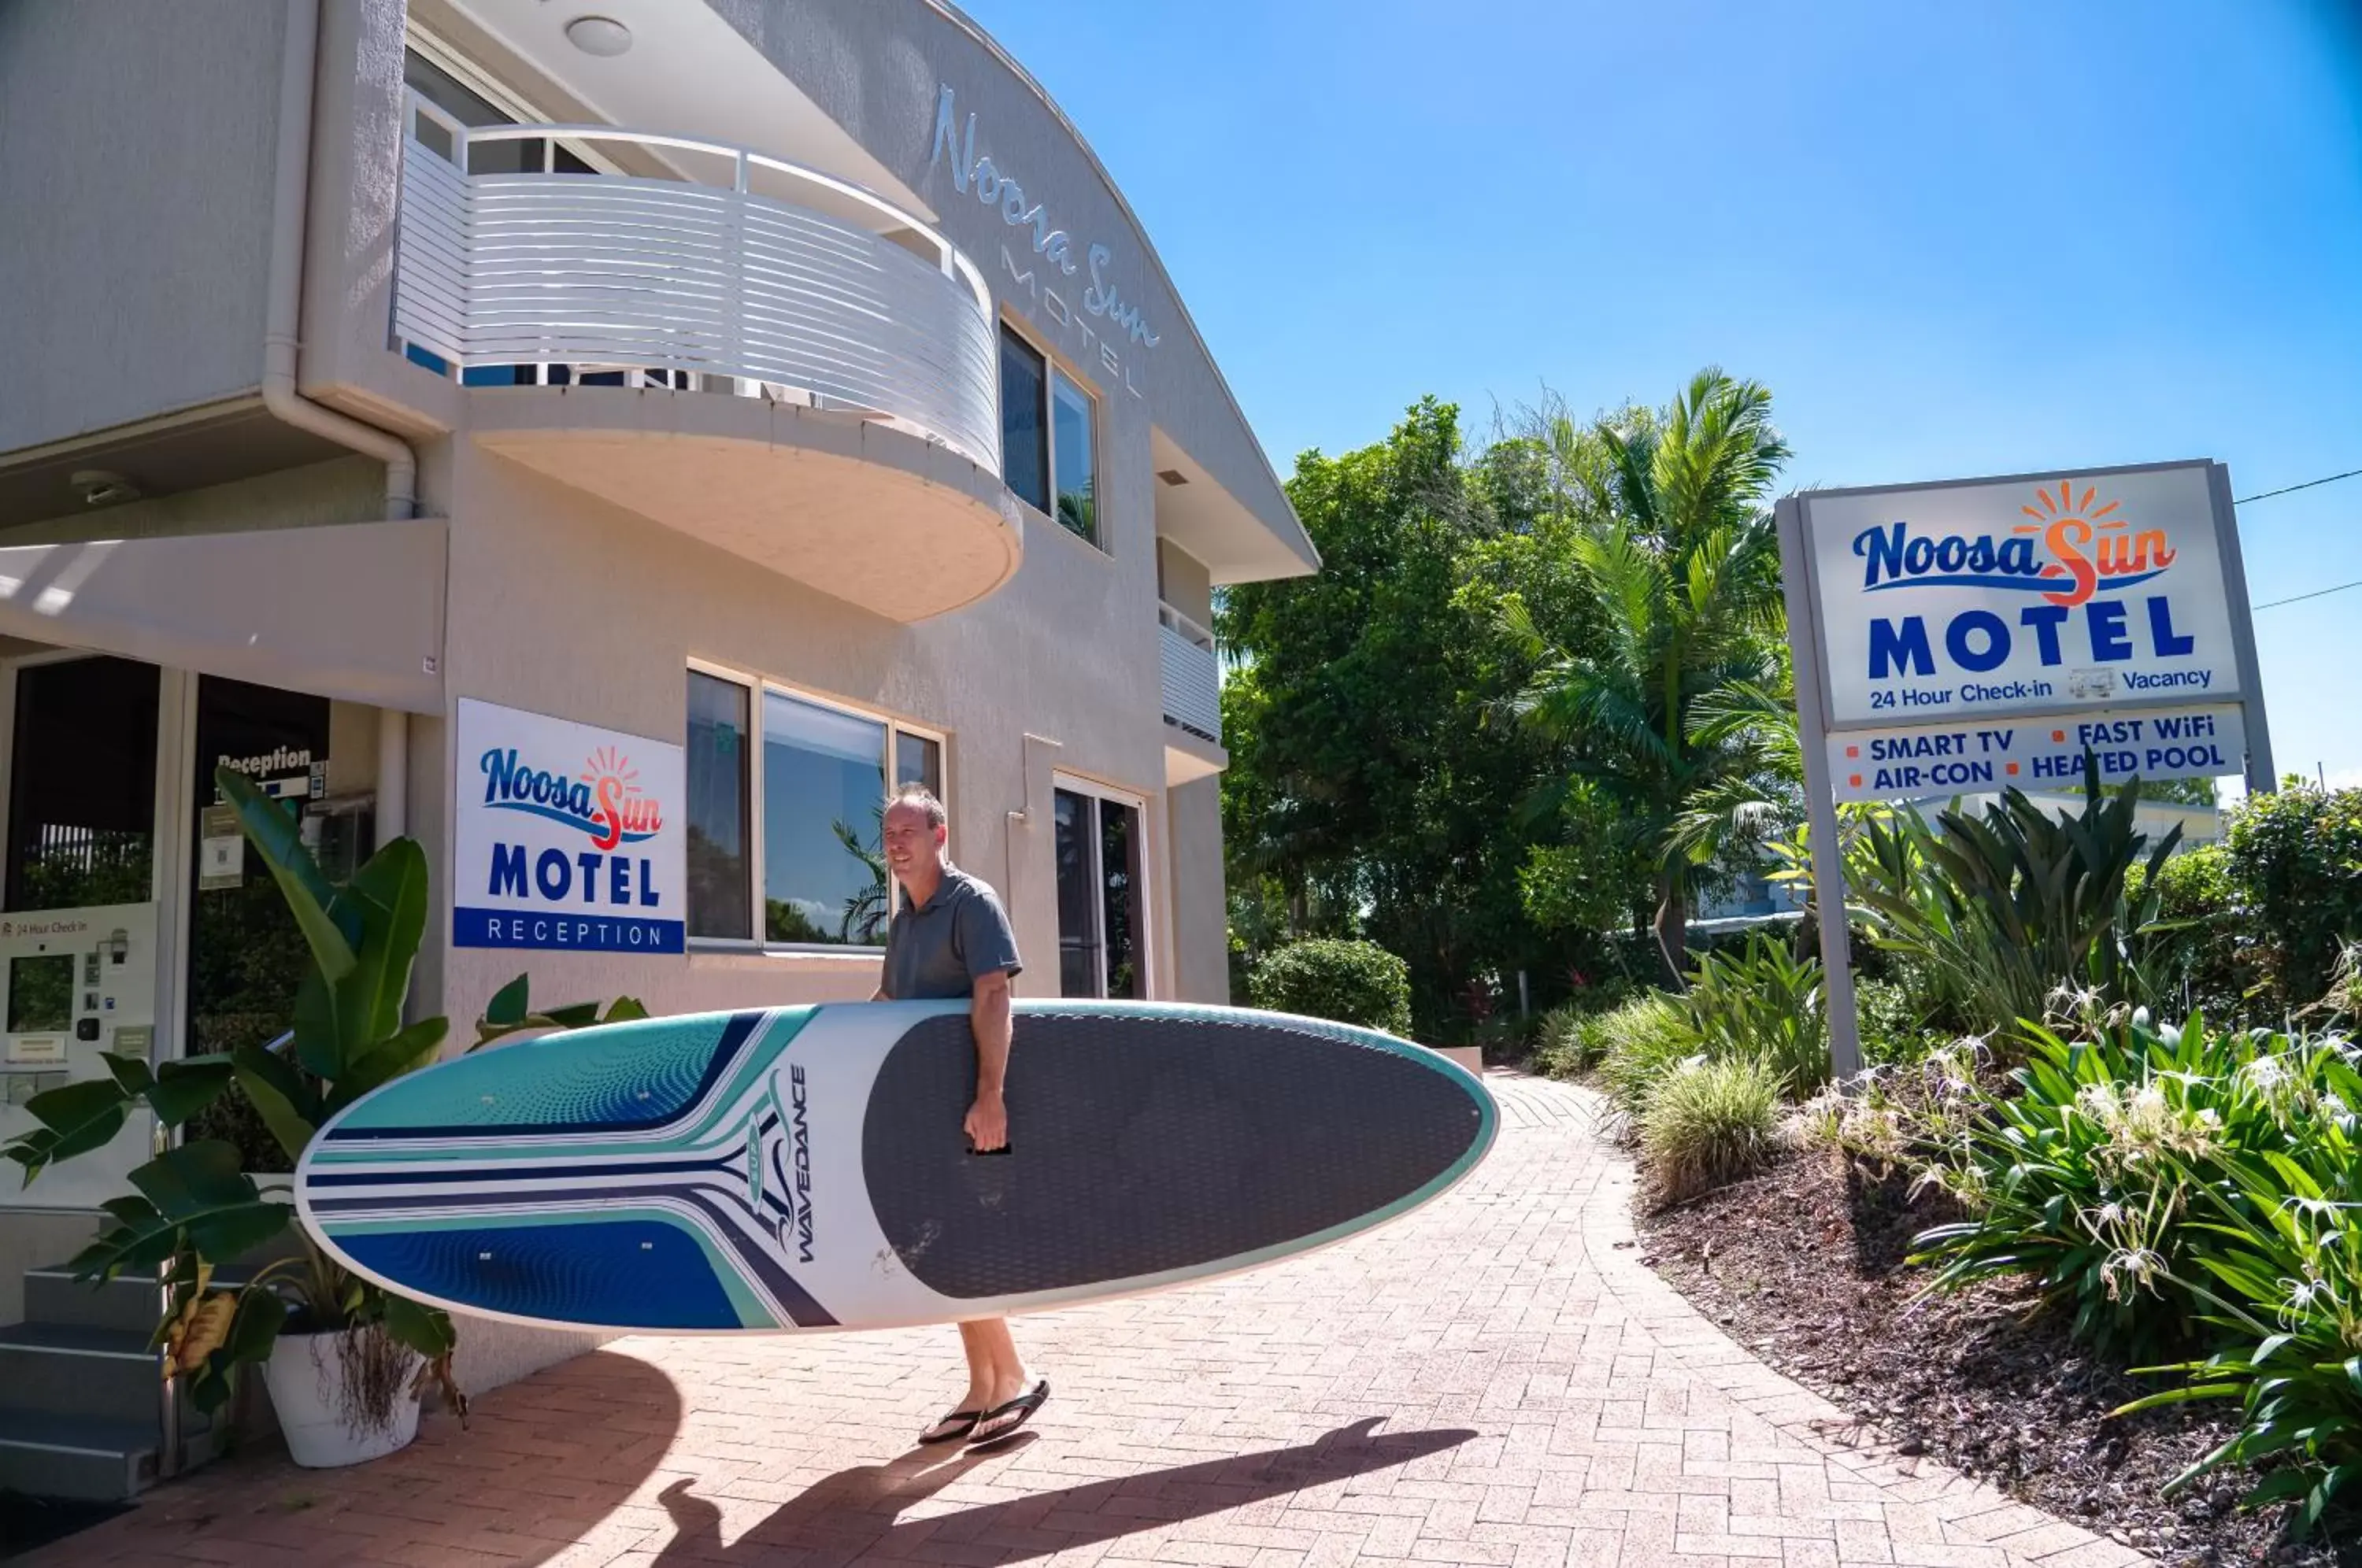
<point>568,836</point>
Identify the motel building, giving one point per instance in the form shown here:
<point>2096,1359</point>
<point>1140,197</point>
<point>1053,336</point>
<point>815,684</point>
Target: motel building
<point>612,442</point>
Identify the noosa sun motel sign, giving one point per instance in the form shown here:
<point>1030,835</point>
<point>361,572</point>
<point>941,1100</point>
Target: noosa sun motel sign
<point>567,836</point>
<point>2021,595</point>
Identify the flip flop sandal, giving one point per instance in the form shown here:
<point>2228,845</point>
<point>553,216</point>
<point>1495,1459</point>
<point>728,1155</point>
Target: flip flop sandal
<point>1023,1408</point>
<point>959,1424</point>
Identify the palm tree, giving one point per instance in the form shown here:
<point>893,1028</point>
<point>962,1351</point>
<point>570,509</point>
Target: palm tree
<point>1677,553</point>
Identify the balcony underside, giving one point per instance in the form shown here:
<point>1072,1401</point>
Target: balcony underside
<point>900,526</point>
<point>1190,756</point>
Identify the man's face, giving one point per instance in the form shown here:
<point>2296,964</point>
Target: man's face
<point>913,844</point>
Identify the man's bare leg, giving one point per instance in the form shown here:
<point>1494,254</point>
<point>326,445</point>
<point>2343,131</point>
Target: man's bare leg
<point>996,1372</point>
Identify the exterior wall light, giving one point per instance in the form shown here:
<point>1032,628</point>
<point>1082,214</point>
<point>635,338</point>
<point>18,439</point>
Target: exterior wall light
<point>601,36</point>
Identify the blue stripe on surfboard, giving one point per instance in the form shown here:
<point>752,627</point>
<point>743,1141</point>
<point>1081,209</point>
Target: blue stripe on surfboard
<point>558,1271</point>
<point>630,1078</point>
<point>609,1296</point>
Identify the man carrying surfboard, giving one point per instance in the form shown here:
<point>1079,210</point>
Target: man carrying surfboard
<point>952,938</point>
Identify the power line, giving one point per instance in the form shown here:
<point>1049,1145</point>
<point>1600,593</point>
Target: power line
<point>2316,593</point>
<point>2290,490</point>
<point>2293,489</point>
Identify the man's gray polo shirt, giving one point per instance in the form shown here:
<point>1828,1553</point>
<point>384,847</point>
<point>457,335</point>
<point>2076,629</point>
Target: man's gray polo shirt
<point>942,947</point>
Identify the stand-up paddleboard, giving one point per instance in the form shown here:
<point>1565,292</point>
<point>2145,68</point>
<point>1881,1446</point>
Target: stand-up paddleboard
<point>804,1169</point>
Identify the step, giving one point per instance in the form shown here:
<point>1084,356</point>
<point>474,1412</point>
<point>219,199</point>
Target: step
<point>54,1296</point>
<point>108,1374</point>
<point>85,1458</point>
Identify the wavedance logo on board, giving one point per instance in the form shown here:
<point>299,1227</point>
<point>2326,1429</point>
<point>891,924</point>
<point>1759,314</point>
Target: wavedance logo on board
<point>605,801</point>
<point>2087,550</point>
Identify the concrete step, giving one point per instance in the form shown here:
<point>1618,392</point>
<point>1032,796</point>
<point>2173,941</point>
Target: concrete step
<point>45,1454</point>
<point>53,1295</point>
<point>74,1370</point>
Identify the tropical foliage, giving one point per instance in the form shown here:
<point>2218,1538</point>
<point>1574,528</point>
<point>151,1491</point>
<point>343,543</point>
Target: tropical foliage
<point>1457,741</point>
<point>1678,710</point>
<point>197,1206</point>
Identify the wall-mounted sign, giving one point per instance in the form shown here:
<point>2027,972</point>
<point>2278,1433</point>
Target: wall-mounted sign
<point>1977,636</point>
<point>568,836</point>
<point>2019,595</point>
<point>1095,291</point>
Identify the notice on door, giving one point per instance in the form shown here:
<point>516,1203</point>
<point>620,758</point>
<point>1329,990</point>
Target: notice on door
<point>568,836</point>
<point>221,850</point>
<point>1924,760</point>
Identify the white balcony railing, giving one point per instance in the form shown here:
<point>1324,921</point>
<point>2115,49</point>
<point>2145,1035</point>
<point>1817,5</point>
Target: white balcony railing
<point>682,284</point>
<point>1192,674</point>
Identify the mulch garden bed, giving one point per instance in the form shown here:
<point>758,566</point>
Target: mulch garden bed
<point>1805,1266</point>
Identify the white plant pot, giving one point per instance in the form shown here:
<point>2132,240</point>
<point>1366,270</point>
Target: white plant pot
<point>307,1393</point>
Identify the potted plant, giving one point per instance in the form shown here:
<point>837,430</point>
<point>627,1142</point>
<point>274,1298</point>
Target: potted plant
<point>346,1360</point>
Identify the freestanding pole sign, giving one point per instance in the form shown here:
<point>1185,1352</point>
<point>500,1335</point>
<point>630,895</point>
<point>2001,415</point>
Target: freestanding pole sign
<point>1977,635</point>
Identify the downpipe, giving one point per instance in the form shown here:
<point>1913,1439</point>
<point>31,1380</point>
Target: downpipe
<point>290,195</point>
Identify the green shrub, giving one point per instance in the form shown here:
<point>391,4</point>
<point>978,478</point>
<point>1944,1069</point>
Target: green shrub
<point>1347,982</point>
<point>1895,1032</point>
<point>2198,934</point>
<point>1706,1124</point>
<point>2085,1178</point>
<point>1764,1003</point>
<point>1641,1043</point>
<point>1566,1042</point>
<point>2280,1256</point>
<point>2296,868</point>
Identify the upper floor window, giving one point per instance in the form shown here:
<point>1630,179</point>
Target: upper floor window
<point>1049,450</point>
<point>787,801</point>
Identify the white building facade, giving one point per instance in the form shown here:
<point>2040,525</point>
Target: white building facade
<point>730,408</point>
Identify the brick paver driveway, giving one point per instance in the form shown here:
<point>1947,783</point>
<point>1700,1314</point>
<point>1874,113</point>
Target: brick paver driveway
<point>1495,1380</point>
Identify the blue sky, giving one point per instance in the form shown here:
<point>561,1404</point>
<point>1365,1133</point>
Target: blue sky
<point>1952,240</point>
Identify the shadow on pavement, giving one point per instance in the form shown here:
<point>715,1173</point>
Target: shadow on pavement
<point>854,1512</point>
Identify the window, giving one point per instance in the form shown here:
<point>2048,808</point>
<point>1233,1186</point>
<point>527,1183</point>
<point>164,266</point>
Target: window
<point>1024,452</point>
<point>1102,929</point>
<point>787,804</point>
<point>1077,474</point>
<point>1048,454</point>
<point>719,855</point>
<point>82,792</point>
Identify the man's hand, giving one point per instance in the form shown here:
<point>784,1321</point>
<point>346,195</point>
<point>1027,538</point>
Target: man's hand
<point>988,1123</point>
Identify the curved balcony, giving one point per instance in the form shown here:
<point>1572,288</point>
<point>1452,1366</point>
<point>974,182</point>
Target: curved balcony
<point>659,320</point>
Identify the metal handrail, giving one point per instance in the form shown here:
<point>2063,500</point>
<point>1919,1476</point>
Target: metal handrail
<point>949,258</point>
<point>1184,625</point>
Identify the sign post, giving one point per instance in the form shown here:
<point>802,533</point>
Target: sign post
<point>1984,635</point>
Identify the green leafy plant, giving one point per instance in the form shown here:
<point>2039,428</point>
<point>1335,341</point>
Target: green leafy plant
<point>1568,1042</point>
<point>1645,1040</point>
<point>2008,907</point>
<point>1764,1003</point>
<point>1349,982</point>
<point>195,1207</point>
<point>1708,1123</point>
<point>2279,1254</point>
<point>2088,1179</point>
